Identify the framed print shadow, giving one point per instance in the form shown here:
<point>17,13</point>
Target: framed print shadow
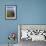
<point>10,12</point>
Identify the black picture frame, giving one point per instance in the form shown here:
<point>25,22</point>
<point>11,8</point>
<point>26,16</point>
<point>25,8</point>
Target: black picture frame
<point>10,12</point>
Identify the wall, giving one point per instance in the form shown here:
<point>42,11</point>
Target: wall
<point>28,12</point>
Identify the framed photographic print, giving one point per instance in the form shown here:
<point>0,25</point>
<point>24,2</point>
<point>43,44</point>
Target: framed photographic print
<point>10,12</point>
